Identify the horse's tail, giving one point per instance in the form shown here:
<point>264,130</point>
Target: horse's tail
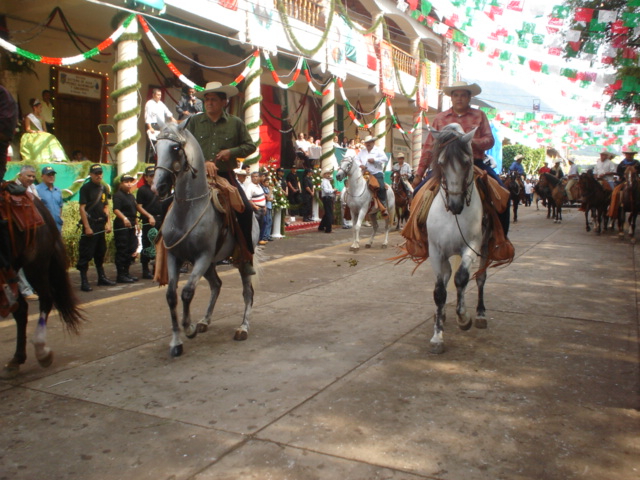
<point>62,293</point>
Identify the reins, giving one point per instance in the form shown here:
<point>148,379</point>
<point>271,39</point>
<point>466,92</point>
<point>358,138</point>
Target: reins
<point>206,206</point>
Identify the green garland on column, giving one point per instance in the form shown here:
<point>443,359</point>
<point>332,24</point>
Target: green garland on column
<point>252,77</point>
<point>328,121</point>
<point>127,142</point>
<point>287,28</point>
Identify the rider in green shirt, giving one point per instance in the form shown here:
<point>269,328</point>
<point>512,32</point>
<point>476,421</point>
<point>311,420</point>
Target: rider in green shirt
<point>224,138</point>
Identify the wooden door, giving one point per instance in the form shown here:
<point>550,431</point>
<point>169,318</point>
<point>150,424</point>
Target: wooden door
<point>80,106</point>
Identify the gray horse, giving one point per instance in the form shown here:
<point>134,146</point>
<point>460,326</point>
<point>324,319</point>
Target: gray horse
<point>193,231</point>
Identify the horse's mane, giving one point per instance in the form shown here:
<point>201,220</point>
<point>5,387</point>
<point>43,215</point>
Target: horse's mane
<point>449,142</point>
<point>552,179</point>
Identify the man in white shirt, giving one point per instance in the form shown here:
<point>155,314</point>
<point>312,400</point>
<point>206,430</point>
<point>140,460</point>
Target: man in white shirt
<point>405,172</point>
<point>605,168</point>
<point>155,113</point>
<point>372,159</point>
<point>47,110</point>
<point>572,176</point>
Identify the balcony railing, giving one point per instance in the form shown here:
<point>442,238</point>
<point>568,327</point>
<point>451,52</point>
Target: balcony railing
<point>404,62</point>
<point>308,11</point>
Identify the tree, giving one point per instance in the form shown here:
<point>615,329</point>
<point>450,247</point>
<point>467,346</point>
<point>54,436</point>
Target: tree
<point>534,158</point>
<point>614,42</point>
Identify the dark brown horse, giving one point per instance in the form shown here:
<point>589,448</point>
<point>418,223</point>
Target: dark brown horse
<point>514,184</point>
<point>403,198</point>
<point>595,200</point>
<point>40,252</point>
<point>629,202</point>
<point>551,189</point>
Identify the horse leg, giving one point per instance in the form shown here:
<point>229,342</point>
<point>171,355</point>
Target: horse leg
<point>44,355</point>
<point>515,210</point>
<point>461,280</point>
<point>481,319</point>
<point>215,283</point>
<point>373,218</point>
<point>358,218</point>
<point>440,297</point>
<point>12,368</point>
<point>242,332</point>
<point>175,347</point>
<point>201,265</point>
<point>387,227</point>
<point>586,218</point>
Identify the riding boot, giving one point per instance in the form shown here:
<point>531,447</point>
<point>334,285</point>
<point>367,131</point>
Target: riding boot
<point>5,245</point>
<point>126,271</point>
<point>84,282</point>
<point>146,274</point>
<point>102,278</point>
<point>122,275</point>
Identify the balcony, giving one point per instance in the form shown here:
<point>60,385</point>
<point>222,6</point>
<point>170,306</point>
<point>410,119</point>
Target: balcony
<point>307,11</point>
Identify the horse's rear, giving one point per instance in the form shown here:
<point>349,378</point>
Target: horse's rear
<point>41,254</point>
<point>402,198</point>
<point>595,201</point>
<point>629,203</point>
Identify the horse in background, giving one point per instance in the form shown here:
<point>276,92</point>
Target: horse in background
<point>194,230</point>
<point>514,184</point>
<point>39,251</point>
<point>456,226</point>
<point>629,202</point>
<point>359,198</point>
<point>552,190</point>
<point>402,198</point>
<point>595,201</point>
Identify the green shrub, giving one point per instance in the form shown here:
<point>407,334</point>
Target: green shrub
<point>71,234</point>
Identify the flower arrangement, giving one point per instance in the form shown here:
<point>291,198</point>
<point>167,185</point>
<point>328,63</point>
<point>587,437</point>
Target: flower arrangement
<point>12,62</point>
<point>316,177</point>
<point>280,200</point>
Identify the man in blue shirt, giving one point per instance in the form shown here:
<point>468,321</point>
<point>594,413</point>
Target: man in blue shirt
<point>516,166</point>
<point>51,195</point>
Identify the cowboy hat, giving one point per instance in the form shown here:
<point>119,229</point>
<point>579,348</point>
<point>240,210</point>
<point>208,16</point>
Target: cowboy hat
<point>239,171</point>
<point>327,170</point>
<point>217,87</point>
<point>400,155</point>
<point>630,150</point>
<point>474,89</point>
<point>608,153</point>
<point>572,159</point>
<point>518,157</point>
<point>368,139</point>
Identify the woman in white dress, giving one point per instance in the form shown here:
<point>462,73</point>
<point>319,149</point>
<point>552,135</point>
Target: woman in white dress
<point>34,123</point>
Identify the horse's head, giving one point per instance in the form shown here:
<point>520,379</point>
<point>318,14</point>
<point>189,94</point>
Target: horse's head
<point>454,160</point>
<point>345,167</point>
<point>175,146</point>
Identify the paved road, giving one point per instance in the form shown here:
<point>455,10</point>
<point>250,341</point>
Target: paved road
<point>336,380</point>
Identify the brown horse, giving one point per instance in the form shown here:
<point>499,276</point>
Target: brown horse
<point>552,190</point>
<point>514,184</point>
<point>595,200</point>
<point>40,252</point>
<point>629,202</point>
<point>403,198</point>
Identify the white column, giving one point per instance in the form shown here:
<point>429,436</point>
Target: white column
<point>328,128</point>
<point>380,129</point>
<point>252,112</point>
<point>416,140</point>
<point>277,223</point>
<point>128,127</point>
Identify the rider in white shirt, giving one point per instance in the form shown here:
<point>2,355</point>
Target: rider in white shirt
<point>605,169</point>
<point>372,159</point>
<point>405,172</point>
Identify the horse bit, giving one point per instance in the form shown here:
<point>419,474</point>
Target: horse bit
<point>176,166</point>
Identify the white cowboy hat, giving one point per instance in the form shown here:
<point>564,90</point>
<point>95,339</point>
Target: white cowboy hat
<point>607,152</point>
<point>629,150</point>
<point>572,159</point>
<point>327,170</point>
<point>239,171</point>
<point>474,89</point>
<point>519,157</point>
<point>368,139</point>
<point>213,87</point>
<point>400,155</point>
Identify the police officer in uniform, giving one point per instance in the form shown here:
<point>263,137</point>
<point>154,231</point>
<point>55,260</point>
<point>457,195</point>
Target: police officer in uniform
<point>152,211</point>
<point>94,216</point>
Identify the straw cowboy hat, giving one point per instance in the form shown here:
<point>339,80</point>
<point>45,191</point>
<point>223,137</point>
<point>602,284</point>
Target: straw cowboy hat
<point>519,157</point>
<point>474,89</point>
<point>572,159</point>
<point>239,171</point>
<point>630,150</point>
<point>368,139</point>
<point>607,153</point>
<point>327,170</point>
<point>214,87</point>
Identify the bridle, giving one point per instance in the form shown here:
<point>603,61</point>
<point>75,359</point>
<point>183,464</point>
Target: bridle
<point>466,191</point>
<point>178,166</point>
<point>350,163</point>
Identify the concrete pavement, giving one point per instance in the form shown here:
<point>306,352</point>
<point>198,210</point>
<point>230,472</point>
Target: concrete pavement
<point>336,380</point>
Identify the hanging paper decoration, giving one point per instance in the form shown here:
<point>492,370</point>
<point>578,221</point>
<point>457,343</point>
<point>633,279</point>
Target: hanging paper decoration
<point>387,72</point>
<point>65,61</point>
<point>275,76</point>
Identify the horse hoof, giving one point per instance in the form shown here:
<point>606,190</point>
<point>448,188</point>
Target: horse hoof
<point>10,371</point>
<point>47,360</point>
<point>633,241</point>
<point>190,332</point>
<point>464,323</point>
<point>437,348</point>
<point>354,249</point>
<point>202,327</point>
<point>368,245</point>
<point>384,245</point>
<point>176,351</point>
<point>241,335</point>
<point>515,220</point>
<point>480,322</point>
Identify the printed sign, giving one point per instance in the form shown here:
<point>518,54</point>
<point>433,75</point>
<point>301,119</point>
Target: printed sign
<point>72,83</point>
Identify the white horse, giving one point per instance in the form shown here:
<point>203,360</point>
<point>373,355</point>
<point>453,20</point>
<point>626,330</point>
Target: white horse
<point>358,197</point>
<point>455,227</point>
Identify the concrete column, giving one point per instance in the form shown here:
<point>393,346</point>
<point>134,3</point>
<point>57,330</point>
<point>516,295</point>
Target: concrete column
<point>127,128</point>
<point>380,129</point>
<point>252,113</point>
<point>416,140</point>
<point>328,158</point>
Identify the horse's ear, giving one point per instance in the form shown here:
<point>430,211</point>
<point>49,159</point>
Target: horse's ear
<point>468,136</point>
